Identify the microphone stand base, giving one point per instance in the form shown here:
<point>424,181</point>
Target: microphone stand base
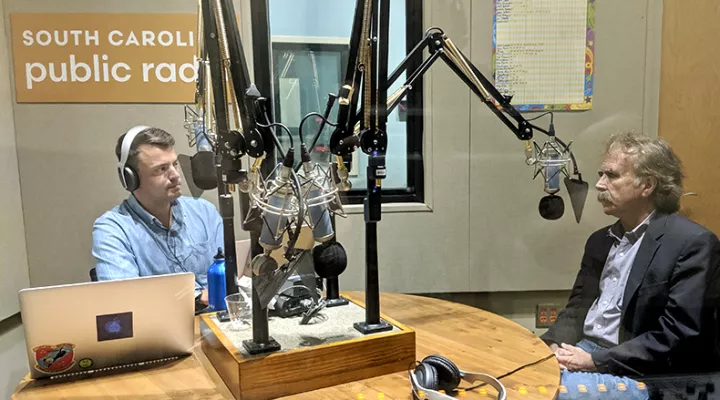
<point>340,301</point>
<point>366,328</point>
<point>259,348</point>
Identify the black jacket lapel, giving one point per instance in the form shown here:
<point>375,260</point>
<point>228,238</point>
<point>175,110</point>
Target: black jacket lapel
<point>645,254</point>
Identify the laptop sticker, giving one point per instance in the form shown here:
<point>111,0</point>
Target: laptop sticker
<point>85,363</point>
<point>54,359</point>
<point>114,326</point>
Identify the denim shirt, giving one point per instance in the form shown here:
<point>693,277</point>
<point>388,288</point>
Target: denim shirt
<point>129,242</point>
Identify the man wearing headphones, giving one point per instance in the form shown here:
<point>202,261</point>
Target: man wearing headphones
<point>155,230</point>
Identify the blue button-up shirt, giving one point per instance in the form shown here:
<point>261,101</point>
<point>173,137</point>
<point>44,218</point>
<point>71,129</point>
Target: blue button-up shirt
<point>129,242</point>
<point>603,319</point>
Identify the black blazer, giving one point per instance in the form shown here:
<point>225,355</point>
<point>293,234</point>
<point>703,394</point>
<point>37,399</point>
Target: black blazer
<point>669,321</point>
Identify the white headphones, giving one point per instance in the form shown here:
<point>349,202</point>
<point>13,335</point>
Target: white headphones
<point>128,176</point>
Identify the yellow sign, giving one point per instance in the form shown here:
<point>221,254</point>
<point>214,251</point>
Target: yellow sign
<point>104,58</point>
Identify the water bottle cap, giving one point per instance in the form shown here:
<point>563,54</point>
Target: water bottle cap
<point>220,255</point>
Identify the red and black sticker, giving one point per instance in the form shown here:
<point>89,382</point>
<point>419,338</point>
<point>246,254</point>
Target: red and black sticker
<point>54,359</point>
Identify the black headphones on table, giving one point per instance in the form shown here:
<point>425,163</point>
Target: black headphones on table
<point>128,176</point>
<point>435,373</point>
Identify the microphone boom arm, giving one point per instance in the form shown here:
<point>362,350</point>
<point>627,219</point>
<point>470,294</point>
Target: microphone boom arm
<point>440,47</point>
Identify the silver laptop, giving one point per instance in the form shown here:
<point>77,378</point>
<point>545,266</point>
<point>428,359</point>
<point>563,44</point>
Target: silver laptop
<point>91,327</point>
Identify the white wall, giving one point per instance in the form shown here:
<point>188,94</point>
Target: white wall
<point>13,261</point>
<point>479,229</point>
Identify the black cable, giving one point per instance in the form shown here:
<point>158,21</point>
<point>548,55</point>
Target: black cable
<point>505,375</point>
<point>537,128</point>
<point>434,28</point>
<point>302,122</point>
<point>275,138</point>
<point>301,213</point>
<point>552,118</point>
<point>576,171</point>
<point>542,115</point>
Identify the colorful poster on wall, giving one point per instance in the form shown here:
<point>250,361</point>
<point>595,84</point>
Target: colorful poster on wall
<point>543,53</point>
<point>104,58</point>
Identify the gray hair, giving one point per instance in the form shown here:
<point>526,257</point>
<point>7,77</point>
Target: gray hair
<point>151,136</point>
<point>653,158</point>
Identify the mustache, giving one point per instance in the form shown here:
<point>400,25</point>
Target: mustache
<point>603,196</point>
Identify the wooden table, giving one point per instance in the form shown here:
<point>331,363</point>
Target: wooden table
<point>474,339</point>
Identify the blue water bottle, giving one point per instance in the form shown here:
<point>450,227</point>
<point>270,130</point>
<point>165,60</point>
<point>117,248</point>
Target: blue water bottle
<point>216,283</point>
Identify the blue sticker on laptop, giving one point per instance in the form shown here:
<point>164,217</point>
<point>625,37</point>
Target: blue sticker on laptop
<point>54,359</point>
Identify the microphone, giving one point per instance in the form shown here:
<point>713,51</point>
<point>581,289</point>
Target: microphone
<point>552,161</point>
<point>316,199</point>
<point>279,205</point>
<point>202,163</point>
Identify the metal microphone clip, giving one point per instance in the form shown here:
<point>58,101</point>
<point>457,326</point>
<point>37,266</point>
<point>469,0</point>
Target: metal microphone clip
<point>551,160</point>
<point>340,175</point>
<point>321,198</point>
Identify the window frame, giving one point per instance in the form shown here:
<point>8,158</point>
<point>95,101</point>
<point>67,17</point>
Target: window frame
<point>414,192</point>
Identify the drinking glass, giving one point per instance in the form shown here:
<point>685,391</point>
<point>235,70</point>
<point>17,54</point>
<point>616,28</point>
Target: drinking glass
<point>239,310</point>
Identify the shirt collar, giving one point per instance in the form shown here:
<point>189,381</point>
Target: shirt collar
<point>616,230</point>
<point>149,219</point>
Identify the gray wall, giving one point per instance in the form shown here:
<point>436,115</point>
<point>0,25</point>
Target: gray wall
<point>13,264</point>
<point>12,355</point>
<point>479,229</point>
<point>511,246</point>
<point>67,161</point>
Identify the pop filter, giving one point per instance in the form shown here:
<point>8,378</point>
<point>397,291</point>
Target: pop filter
<point>203,172</point>
<point>329,259</point>
<point>577,190</point>
<point>551,207</point>
<point>186,167</point>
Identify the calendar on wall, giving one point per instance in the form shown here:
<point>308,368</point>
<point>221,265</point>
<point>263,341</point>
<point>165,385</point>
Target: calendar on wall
<point>543,53</point>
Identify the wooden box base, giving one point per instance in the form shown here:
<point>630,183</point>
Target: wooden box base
<point>310,367</point>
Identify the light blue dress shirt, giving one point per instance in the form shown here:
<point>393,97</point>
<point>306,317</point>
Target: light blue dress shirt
<point>603,319</point>
<point>129,242</point>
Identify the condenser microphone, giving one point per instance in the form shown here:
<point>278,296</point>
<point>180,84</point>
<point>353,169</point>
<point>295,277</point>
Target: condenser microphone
<point>275,212</point>
<point>202,163</point>
<point>316,200</point>
<point>552,162</point>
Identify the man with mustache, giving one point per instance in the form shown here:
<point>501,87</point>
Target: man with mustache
<point>646,297</point>
<point>155,230</point>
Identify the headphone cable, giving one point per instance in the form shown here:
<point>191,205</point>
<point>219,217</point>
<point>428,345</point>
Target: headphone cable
<point>505,375</point>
